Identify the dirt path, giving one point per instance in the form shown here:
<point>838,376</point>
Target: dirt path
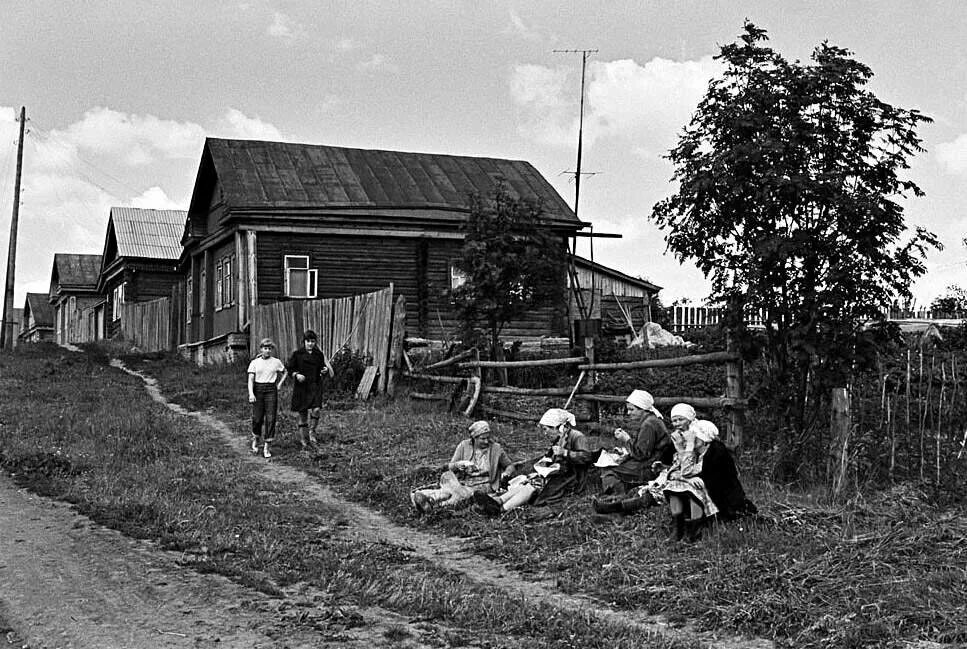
<point>449,553</point>
<point>66,582</point>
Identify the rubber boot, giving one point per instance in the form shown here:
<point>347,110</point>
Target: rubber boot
<point>632,505</point>
<point>693,529</point>
<point>678,530</point>
<point>607,506</point>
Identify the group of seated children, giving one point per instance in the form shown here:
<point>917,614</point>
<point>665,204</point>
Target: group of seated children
<point>640,464</point>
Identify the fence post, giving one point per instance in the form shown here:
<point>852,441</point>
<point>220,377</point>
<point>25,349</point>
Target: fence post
<point>839,428</point>
<point>734,389</point>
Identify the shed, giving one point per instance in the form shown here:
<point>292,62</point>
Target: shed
<point>617,296</point>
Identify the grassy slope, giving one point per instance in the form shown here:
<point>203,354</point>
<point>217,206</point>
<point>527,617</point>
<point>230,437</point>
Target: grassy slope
<point>869,573</point>
<point>74,429</point>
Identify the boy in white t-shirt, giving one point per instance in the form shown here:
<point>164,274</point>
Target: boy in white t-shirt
<point>266,374</point>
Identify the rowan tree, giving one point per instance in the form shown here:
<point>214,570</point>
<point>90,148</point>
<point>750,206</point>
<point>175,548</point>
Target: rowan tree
<point>512,264</point>
<point>788,199</point>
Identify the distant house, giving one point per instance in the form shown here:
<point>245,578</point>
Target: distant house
<point>73,293</point>
<point>14,327</point>
<point>617,297</point>
<point>37,319</point>
<point>139,263</point>
<point>271,221</point>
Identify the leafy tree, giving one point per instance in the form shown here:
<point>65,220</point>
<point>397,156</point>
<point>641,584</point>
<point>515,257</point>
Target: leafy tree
<point>788,201</point>
<point>953,301</point>
<point>512,264</point>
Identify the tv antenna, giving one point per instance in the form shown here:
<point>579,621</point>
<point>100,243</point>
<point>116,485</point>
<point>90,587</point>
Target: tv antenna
<point>585,55</point>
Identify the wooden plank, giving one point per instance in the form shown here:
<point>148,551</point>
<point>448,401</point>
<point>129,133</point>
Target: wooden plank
<point>385,314</point>
<point>397,334</point>
<point>366,383</point>
<point>534,363</point>
<point>697,359</point>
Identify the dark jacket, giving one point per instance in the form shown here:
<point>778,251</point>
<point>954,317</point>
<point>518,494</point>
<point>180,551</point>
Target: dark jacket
<point>721,479</point>
<point>306,394</point>
<point>649,443</point>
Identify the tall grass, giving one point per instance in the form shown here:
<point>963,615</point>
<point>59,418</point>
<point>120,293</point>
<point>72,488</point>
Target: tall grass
<point>83,432</point>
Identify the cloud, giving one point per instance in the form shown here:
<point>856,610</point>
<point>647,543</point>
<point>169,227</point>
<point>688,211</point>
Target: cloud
<point>235,124</point>
<point>282,27</point>
<point>73,175</point>
<point>132,139</point>
<point>517,27</point>
<point>644,104</point>
<point>155,198</point>
<point>953,155</point>
<point>345,45</point>
<point>375,62</point>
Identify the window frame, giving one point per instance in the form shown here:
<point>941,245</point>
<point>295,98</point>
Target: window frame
<point>312,277</point>
<point>117,299</point>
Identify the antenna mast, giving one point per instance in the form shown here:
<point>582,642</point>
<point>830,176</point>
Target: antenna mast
<point>585,54</point>
<point>7,323</point>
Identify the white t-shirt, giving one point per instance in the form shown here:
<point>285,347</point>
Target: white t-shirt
<point>266,370</point>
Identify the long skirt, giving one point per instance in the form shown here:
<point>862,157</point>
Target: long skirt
<point>693,487</point>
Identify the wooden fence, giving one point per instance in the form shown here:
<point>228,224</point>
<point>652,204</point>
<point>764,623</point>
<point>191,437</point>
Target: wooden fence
<point>734,400</point>
<point>361,323</point>
<point>684,318</point>
<point>148,325</point>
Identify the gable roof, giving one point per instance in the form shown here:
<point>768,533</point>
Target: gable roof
<point>75,272</point>
<point>616,274</point>
<point>150,234</point>
<point>37,306</point>
<point>256,174</point>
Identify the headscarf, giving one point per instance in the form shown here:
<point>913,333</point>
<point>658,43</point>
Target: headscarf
<point>556,417</point>
<point>643,399</point>
<point>704,430</point>
<point>478,428</point>
<point>684,410</point>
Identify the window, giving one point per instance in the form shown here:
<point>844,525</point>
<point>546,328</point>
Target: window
<point>117,299</point>
<point>218,285</point>
<point>224,291</point>
<point>457,277</point>
<point>188,298</point>
<point>300,280</point>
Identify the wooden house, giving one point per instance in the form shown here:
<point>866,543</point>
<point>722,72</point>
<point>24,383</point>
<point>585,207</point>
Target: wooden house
<point>37,320</point>
<point>272,221</point>
<point>140,261</point>
<point>73,293</point>
<point>618,300</point>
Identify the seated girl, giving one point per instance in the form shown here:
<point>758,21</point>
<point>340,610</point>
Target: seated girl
<point>478,464</point>
<point>561,471</point>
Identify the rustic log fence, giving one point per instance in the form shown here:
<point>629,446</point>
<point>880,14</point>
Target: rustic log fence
<point>733,402</point>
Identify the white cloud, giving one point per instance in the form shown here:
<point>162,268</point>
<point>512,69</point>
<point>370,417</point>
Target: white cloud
<point>282,26</point>
<point>235,124</point>
<point>645,104</point>
<point>73,175</point>
<point>517,27</point>
<point>953,155</point>
<point>155,198</point>
<point>375,62</point>
<point>345,45</point>
<point>133,139</point>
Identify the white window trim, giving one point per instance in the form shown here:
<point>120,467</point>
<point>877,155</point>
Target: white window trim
<point>312,284</point>
<point>457,277</point>
<point>117,299</point>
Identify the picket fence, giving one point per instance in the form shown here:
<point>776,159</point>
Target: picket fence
<point>148,324</point>
<point>685,318</point>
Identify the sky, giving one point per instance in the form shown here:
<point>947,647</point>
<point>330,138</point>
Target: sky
<point>120,96</point>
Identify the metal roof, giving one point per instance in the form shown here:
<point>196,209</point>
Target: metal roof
<point>255,174</point>
<point>41,310</point>
<point>617,274</point>
<point>76,271</point>
<point>151,234</point>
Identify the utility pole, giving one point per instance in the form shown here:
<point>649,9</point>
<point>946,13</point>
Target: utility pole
<point>6,326</point>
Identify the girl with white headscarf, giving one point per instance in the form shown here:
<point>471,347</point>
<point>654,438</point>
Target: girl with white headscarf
<point>478,464</point>
<point>684,489</point>
<point>561,471</point>
<point>645,442</point>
